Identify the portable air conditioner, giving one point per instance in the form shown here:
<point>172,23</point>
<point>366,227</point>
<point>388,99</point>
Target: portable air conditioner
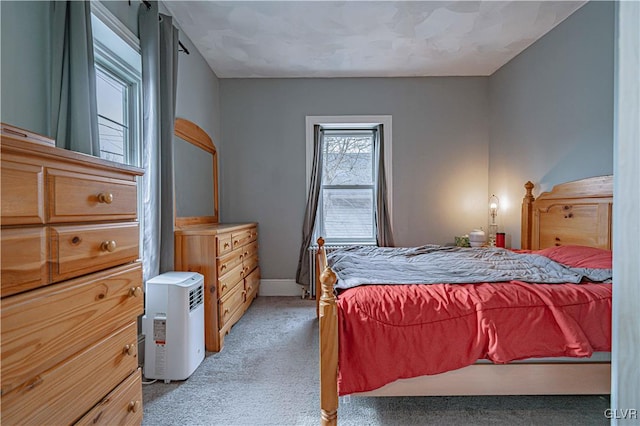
<point>173,325</point>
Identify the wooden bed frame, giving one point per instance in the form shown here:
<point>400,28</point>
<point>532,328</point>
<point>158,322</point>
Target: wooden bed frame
<point>577,213</point>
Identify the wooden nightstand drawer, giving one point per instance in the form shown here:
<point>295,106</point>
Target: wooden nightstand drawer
<point>123,406</point>
<point>78,197</point>
<point>230,304</point>
<point>24,259</point>
<point>224,244</point>
<point>22,193</point>
<point>73,387</point>
<point>78,250</point>
<point>43,327</point>
<point>229,261</point>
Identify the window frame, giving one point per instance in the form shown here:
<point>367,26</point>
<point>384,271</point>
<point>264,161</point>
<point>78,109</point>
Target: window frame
<point>117,65</point>
<point>352,122</point>
<point>320,229</point>
<point>110,64</point>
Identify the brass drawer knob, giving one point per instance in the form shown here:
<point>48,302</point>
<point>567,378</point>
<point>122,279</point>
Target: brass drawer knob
<point>226,245</point>
<point>134,406</point>
<point>135,291</point>
<point>109,246</point>
<point>129,350</point>
<point>105,197</point>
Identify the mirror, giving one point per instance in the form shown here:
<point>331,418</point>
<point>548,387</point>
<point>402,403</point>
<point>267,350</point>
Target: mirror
<point>196,175</point>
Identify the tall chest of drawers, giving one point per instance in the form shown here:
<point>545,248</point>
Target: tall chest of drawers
<point>227,256</point>
<point>71,286</point>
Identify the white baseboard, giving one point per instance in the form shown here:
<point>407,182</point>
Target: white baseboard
<point>280,287</point>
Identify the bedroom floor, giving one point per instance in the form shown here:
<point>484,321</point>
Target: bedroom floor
<point>267,374</point>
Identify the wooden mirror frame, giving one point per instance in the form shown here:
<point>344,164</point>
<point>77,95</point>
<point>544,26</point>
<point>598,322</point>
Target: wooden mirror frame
<point>193,134</point>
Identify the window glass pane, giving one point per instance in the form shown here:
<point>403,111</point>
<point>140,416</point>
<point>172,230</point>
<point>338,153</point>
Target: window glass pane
<point>112,140</point>
<point>348,160</point>
<point>348,213</point>
<point>111,96</point>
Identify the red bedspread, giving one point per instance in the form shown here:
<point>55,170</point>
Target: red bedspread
<point>392,332</point>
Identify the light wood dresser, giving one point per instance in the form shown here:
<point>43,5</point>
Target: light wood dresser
<point>227,256</point>
<point>71,285</point>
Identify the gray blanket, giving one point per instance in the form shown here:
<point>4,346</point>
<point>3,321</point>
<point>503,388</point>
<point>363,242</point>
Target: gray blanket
<point>432,264</point>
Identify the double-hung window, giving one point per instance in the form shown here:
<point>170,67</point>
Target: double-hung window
<point>118,69</point>
<point>349,177</point>
<point>346,207</point>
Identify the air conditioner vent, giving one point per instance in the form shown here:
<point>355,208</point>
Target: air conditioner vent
<point>196,296</point>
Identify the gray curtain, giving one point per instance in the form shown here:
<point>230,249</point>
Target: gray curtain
<point>168,86</point>
<point>303,272</point>
<point>384,236</point>
<point>159,47</point>
<point>74,112</point>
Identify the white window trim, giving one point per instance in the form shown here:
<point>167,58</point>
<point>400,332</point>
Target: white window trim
<point>352,121</point>
<point>111,21</point>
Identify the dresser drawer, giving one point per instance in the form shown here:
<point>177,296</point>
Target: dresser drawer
<point>22,193</point>
<point>224,244</point>
<point>78,250</point>
<point>24,259</point>
<point>232,302</point>
<point>251,284</point>
<point>240,238</point>
<point>249,250</point>
<point>229,280</point>
<point>64,393</point>
<point>123,406</point>
<point>250,264</point>
<point>45,326</point>
<point>77,197</point>
<point>229,261</point>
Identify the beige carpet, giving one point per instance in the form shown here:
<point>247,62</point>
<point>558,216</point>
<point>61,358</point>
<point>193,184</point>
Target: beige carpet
<point>267,374</point>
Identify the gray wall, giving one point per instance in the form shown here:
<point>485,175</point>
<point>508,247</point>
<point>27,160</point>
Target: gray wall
<point>552,111</point>
<point>440,155</point>
<point>25,65</point>
<point>198,95</point>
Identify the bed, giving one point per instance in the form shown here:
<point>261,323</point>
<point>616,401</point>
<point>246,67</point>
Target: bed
<point>570,225</point>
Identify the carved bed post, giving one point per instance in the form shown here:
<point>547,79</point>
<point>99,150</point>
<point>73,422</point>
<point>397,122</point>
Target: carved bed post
<point>527,217</point>
<point>328,323</point>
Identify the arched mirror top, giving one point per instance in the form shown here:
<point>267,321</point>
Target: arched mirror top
<point>196,175</point>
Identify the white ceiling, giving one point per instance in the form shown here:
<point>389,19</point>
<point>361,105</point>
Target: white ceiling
<point>262,39</point>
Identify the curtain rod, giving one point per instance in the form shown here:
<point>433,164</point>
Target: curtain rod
<point>182,47</point>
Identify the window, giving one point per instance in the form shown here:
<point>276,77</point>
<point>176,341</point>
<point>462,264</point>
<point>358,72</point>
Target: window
<point>118,88</point>
<point>113,115</point>
<point>347,200</point>
<point>347,194</point>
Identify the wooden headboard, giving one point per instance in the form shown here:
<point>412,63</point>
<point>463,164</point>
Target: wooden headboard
<point>576,213</point>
